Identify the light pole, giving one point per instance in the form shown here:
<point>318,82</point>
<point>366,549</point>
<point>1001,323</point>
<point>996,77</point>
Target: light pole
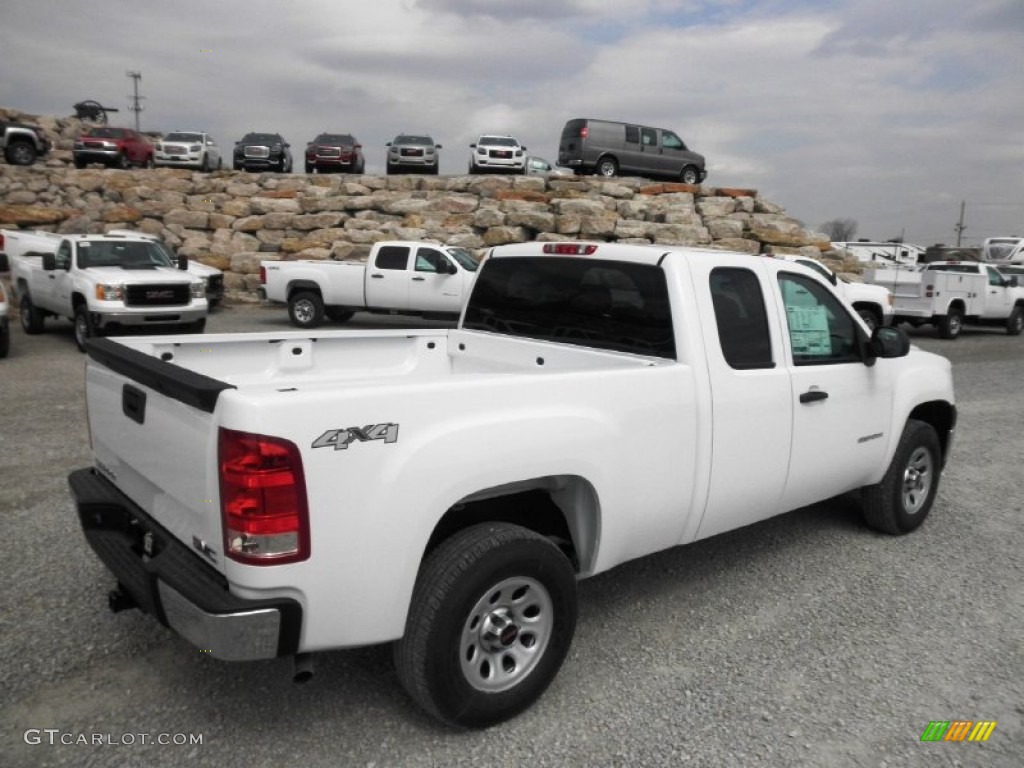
<point>135,107</point>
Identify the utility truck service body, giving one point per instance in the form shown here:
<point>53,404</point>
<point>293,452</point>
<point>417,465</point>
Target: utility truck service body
<point>273,494</point>
<point>948,294</point>
<point>399,277</point>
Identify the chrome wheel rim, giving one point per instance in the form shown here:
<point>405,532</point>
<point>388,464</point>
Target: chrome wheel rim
<point>917,480</point>
<point>304,312</point>
<point>506,633</point>
<point>954,325</point>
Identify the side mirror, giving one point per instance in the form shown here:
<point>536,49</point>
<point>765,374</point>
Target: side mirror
<point>49,262</point>
<point>388,144</point>
<point>1010,282</point>
<point>888,341</point>
<point>438,146</point>
<point>472,146</point>
<point>182,263</point>
<point>447,268</point>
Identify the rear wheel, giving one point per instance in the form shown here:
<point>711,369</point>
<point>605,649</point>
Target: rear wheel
<point>32,319</point>
<point>306,309</point>
<point>901,502</point>
<point>1015,322</point>
<point>607,166</point>
<point>951,324</point>
<point>491,620</point>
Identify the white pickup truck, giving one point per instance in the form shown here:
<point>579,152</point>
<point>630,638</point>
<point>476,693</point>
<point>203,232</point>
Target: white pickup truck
<point>399,277</point>
<point>275,494</point>
<point>103,283</point>
<point>948,294</point>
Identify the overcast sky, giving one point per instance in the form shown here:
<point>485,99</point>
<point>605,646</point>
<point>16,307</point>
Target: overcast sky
<point>889,112</point>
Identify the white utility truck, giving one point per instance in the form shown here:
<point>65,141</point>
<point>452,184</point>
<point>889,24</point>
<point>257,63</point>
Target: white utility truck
<point>873,303</point>
<point>275,494</point>
<point>103,283</point>
<point>948,294</point>
<point>399,277</point>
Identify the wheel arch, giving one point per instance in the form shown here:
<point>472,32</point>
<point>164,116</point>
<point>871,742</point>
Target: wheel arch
<point>562,508</point>
<point>294,286</point>
<point>941,415</point>
<point>606,156</point>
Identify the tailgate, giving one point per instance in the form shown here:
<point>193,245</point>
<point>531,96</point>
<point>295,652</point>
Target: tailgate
<point>154,435</point>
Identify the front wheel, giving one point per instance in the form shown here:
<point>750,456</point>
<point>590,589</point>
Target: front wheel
<point>951,324</point>
<point>20,153</point>
<point>690,175</point>
<point>306,309</point>
<point>32,319</point>
<point>901,502</point>
<point>84,328</point>
<point>492,616</point>
<point>607,167</point>
<point>1015,322</point>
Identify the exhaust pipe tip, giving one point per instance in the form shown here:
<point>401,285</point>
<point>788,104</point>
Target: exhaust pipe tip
<point>303,672</point>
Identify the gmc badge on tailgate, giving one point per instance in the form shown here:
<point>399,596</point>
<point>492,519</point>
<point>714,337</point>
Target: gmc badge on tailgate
<point>340,439</point>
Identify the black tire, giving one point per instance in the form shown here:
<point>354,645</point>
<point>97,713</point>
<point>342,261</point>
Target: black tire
<point>306,309</point>
<point>235,166</point>
<point>21,153</point>
<point>79,164</point>
<point>389,171</point>
<point>607,167</point>
<point>689,175</point>
<point>870,318</point>
<point>5,341</point>
<point>309,168</point>
<point>204,166</point>
<point>951,324</point>
<point>220,163</point>
<point>149,163</point>
<point>84,328</point>
<point>903,499</point>
<point>493,595</point>
<point>338,315</point>
<point>122,161</point>
<point>32,319</point>
<point>1015,322</point>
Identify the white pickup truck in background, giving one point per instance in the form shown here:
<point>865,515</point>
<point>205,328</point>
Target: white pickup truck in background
<point>103,283</point>
<point>948,294</point>
<point>276,494</point>
<point>399,277</point>
<point>874,303</point>
<point>212,277</point>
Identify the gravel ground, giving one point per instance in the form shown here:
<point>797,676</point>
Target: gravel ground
<point>806,640</point>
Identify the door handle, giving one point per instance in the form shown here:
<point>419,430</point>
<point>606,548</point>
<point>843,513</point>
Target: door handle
<point>419,279</point>
<point>813,396</point>
<point>377,277</point>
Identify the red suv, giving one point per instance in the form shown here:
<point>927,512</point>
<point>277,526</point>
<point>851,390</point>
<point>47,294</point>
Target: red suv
<point>115,147</point>
<point>334,152</point>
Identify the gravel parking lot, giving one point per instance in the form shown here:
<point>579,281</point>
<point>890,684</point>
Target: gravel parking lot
<point>806,640</point>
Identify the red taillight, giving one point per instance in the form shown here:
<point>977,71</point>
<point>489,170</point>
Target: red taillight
<point>262,499</point>
<point>570,249</point>
<point>584,131</point>
<point>263,275</point>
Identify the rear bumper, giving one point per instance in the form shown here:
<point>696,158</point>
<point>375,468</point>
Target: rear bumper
<point>167,580</point>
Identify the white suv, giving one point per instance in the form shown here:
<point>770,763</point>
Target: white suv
<point>497,153</point>
<point>188,149</point>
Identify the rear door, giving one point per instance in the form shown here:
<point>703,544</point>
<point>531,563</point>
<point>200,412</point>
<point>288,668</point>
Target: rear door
<point>752,410</point>
<point>387,278</point>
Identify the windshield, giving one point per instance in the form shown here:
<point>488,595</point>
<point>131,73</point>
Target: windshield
<point>107,133</point>
<point>417,140</point>
<point>261,138</point>
<point>118,253</point>
<point>192,138</point>
<point>464,257</point>
<point>499,141</point>
<point>334,138</point>
<point>607,305</point>
<point>1001,250</point>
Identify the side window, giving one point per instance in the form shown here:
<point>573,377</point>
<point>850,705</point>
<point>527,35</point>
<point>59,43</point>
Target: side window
<point>821,330</point>
<point>63,256</point>
<point>741,318</point>
<point>670,141</point>
<point>648,137</point>
<point>392,257</point>
<point>429,260</point>
<point>994,278</point>
<point>632,134</point>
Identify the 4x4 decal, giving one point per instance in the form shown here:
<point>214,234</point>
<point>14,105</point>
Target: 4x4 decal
<point>340,439</point>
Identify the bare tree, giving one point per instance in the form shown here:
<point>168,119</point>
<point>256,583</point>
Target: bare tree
<point>840,230</point>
